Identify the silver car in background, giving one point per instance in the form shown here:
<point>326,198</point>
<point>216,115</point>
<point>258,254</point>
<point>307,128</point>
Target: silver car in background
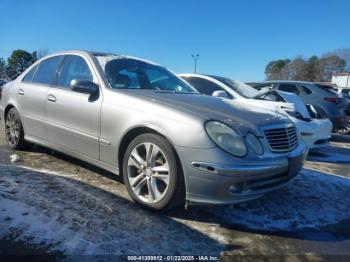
<point>138,120</point>
<point>329,102</point>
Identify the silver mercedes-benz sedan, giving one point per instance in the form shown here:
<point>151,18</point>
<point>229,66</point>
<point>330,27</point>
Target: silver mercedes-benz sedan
<point>139,120</point>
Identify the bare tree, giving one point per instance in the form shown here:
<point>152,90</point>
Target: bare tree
<point>311,69</point>
<point>343,53</point>
<point>329,65</point>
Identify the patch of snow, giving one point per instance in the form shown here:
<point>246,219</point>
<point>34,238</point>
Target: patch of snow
<point>14,158</point>
<point>70,216</point>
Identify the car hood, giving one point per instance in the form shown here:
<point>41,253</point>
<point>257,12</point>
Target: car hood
<point>234,113</point>
<point>270,105</point>
<point>298,103</point>
<point>293,102</point>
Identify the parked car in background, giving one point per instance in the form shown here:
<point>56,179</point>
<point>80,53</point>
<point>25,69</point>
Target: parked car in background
<point>138,120</point>
<point>326,99</point>
<point>345,92</point>
<point>315,132</point>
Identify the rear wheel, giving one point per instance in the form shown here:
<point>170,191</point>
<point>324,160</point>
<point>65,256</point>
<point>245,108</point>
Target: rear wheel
<point>345,130</point>
<point>14,130</point>
<point>152,173</point>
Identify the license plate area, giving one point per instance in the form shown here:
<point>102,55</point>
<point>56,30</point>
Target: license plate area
<point>295,165</point>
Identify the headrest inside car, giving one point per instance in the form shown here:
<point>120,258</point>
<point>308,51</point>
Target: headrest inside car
<point>122,81</point>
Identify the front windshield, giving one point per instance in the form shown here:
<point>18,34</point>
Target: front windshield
<point>239,87</point>
<point>128,73</point>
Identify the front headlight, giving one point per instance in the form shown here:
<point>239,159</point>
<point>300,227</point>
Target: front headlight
<point>226,138</point>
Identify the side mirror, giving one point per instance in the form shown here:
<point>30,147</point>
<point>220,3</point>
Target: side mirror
<point>83,86</point>
<point>220,93</point>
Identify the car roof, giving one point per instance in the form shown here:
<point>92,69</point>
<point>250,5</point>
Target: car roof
<point>96,53</point>
<point>286,81</point>
<point>204,76</point>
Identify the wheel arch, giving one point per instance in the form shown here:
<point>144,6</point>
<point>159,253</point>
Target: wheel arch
<point>7,108</point>
<point>136,131</point>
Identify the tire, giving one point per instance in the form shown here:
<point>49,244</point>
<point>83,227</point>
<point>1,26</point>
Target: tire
<point>159,171</point>
<point>14,132</point>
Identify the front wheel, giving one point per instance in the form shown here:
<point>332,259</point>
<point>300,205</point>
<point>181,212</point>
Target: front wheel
<point>152,173</point>
<point>14,130</point>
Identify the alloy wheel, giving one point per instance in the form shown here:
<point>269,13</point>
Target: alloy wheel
<point>12,129</point>
<point>148,172</point>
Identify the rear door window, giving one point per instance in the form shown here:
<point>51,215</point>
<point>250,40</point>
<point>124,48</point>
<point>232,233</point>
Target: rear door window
<point>29,75</point>
<point>46,72</point>
<point>289,88</point>
<point>306,90</point>
<point>73,67</point>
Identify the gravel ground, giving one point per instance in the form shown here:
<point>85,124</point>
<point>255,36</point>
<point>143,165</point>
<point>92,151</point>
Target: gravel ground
<point>62,208</point>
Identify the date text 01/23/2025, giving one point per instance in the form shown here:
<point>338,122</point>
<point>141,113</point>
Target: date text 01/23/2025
<point>172,258</point>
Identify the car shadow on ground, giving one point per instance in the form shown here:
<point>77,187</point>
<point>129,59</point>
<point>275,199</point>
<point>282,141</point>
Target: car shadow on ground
<point>314,206</point>
<point>330,154</point>
<point>39,157</point>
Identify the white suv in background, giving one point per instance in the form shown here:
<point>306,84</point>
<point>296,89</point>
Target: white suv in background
<point>315,132</point>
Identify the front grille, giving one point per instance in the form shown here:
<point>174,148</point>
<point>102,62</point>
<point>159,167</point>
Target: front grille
<point>282,139</point>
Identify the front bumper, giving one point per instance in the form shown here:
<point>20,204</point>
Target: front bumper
<point>208,182</point>
<point>316,133</point>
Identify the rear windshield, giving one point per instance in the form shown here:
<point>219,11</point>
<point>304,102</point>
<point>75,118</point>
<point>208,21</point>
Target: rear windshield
<point>237,86</point>
<point>328,89</point>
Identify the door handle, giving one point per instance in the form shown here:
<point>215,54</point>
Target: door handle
<point>51,98</point>
<point>20,92</point>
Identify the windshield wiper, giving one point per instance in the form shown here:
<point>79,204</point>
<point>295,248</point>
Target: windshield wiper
<point>174,92</point>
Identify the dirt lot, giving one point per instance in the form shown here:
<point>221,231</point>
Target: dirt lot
<point>54,205</point>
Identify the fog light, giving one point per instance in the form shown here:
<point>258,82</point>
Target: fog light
<point>236,188</point>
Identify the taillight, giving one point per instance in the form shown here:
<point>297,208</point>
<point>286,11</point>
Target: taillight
<point>335,100</point>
